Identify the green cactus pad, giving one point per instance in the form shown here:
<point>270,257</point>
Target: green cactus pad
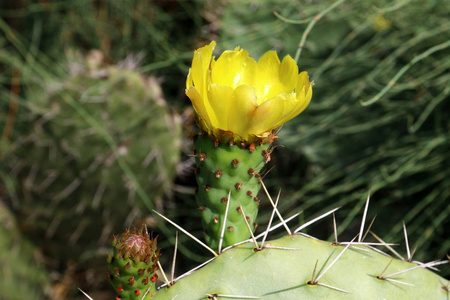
<point>133,265</point>
<point>222,169</point>
<point>274,273</point>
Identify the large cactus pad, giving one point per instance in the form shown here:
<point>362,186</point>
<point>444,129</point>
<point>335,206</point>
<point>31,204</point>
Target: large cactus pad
<point>291,273</point>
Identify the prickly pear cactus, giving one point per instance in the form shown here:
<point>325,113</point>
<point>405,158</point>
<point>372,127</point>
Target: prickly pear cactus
<point>299,267</point>
<point>96,137</point>
<point>133,265</point>
<point>228,173</point>
<point>23,274</point>
<point>241,103</point>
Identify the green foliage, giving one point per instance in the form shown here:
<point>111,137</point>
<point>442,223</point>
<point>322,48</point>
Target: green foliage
<point>306,269</point>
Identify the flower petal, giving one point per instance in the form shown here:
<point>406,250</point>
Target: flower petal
<point>273,113</point>
<point>201,106</point>
<point>267,83</point>
<point>200,66</point>
<point>242,107</point>
<point>287,73</point>
<point>234,68</point>
<point>220,101</point>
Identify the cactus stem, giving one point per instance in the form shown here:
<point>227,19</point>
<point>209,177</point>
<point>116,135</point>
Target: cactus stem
<point>275,208</point>
<point>363,221</point>
<point>224,223</point>
<point>172,273</point>
<point>316,219</point>
<point>187,233</point>
<point>333,262</point>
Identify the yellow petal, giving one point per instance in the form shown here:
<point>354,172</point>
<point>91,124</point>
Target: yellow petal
<point>234,68</point>
<point>288,73</point>
<point>220,100</point>
<point>267,83</point>
<point>189,81</point>
<point>200,66</point>
<point>242,106</point>
<point>273,113</point>
<point>201,106</point>
<point>303,91</point>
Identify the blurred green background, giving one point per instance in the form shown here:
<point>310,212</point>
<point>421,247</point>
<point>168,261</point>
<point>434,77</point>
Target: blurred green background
<point>95,127</point>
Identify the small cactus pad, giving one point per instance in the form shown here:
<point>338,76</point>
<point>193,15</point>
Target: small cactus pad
<point>276,273</point>
<point>223,169</point>
<point>133,265</point>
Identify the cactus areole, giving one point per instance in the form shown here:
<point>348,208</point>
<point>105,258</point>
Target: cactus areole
<point>241,104</point>
<point>133,264</point>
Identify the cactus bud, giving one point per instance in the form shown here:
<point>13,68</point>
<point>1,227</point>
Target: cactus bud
<point>134,253</point>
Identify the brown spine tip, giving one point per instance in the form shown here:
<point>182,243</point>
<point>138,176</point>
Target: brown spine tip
<point>239,209</point>
<point>120,289</point>
<point>255,225</point>
<point>247,218</point>
<point>128,266</point>
<point>257,175</point>
<point>207,188</point>
<point>252,147</point>
<point>141,272</point>
<point>116,272</point>
<point>266,155</point>
<point>224,199</point>
<point>145,281</point>
<point>249,193</point>
<point>202,156</point>
<point>251,171</point>
<point>235,162</point>
<point>131,281</point>
<point>218,173</point>
<point>230,228</point>
<point>256,199</point>
<point>216,220</point>
<point>196,170</point>
<point>202,208</point>
<point>238,186</point>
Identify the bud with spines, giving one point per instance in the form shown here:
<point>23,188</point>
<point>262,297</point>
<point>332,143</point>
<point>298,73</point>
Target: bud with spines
<point>133,265</point>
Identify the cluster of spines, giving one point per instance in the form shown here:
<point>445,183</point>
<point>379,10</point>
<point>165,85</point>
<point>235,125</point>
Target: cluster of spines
<point>133,264</point>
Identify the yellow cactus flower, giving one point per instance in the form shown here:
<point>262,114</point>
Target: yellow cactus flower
<point>240,100</point>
